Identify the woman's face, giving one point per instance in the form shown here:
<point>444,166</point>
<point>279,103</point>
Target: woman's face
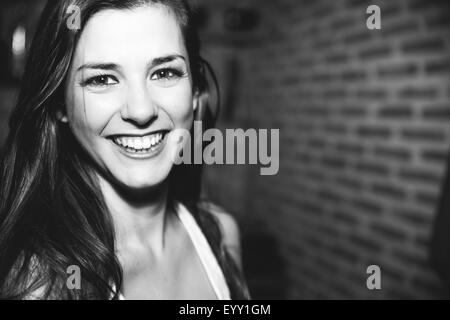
<point>128,87</point>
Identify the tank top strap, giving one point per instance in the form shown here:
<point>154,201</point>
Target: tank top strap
<point>205,253</point>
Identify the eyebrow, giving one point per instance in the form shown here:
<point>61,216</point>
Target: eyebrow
<point>112,66</point>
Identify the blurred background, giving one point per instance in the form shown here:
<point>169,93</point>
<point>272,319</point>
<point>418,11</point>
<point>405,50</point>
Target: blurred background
<point>364,119</point>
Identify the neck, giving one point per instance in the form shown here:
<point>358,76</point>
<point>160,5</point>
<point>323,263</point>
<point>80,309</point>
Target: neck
<point>139,218</point>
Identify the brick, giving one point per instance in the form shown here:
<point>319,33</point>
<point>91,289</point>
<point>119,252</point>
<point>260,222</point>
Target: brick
<point>440,156</point>
<point>441,113</point>
<point>349,183</point>
<point>372,93</point>
<point>357,4</point>
<point>310,208</point>
<point>350,148</point>
<point>390,10</point>
<point>322,44</point>
<point>343,252</point>
<point>434,287</point>
<point>439,66</point>
<point>389,191</point>
<point>421,176</point>
<point>304,62</point>
<point>321,10</point>
<point>427,198</point>
<point>328,195</point>
<point>333,162</point>
<point>395,112</point>
<point>350,75</point>
<point>441,20</point>
<point>375,52</point>
<point>330,232</point>
<point>315,111</point>
<point>316,143</point>
<point>370,131</point>
<point>400,27</point>
<point>335,128</point>
<point>398,293</point>
<point>411,258</point>
<point>418,93</point>
<point>371,168</point>
<point>388,232</point>
<point>342,217</point>
<point>321,78</point>
<point>423,134</point>
<point>421,5</point>
<point>395,71</point>
<point>337,58</point>
<point>334,93</point>
<point>304,158</point>
<point>367,244</point>
<point>358,37</point>
<point>326,265</point>
<point>413,217</point>
<point>367,206</point>
<point>393,153</point>
<point>290,80</point>
<point>341,23</point>
<point>315,175</point>
<point>393,274</point>
<point>309,239</point>
<point>352,111</point>
<point>424,45</point>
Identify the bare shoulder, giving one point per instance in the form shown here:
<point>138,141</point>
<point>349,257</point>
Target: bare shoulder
<point>229,227</point>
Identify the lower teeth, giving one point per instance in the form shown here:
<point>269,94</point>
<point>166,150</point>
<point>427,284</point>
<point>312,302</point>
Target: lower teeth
<point>141,150</point>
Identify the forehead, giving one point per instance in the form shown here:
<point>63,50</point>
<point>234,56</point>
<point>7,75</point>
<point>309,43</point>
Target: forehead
<point>130,34</point>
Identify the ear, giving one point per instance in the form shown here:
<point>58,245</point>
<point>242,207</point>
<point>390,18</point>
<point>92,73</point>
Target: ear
<point>61,116</point>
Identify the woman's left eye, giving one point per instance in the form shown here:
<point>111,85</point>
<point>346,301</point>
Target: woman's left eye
<point>166,74</point>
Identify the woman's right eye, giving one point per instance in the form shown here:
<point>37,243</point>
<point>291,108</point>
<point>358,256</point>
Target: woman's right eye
<point>101,81</point>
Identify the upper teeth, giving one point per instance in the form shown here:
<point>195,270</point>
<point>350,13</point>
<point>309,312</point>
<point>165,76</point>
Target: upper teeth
<point>139,142</point>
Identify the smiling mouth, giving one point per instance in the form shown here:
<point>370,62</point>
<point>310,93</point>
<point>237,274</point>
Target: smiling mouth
<point>141,144</point>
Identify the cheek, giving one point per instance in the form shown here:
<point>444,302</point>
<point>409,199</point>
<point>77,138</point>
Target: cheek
<point>92,112</point>
<point>177,103</point>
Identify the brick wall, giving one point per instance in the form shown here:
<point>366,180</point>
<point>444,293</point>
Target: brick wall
<point>364,119</point>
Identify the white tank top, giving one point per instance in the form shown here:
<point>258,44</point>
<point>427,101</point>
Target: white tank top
<point>204,252</point>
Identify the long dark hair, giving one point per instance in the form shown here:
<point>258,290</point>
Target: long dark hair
<point>52,214</point>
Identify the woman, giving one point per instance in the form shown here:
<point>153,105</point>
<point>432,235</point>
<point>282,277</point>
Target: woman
<point>87,177</point>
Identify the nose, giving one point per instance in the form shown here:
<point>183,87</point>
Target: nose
<point>139,108</point>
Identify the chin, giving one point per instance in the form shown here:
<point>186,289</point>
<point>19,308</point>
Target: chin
<point>140,181</point>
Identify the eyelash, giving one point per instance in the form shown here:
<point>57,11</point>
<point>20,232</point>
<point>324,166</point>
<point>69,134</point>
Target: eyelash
<point>174,74</point>
<point>91,81</point>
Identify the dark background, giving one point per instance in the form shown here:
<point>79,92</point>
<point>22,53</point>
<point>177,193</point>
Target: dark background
<point>364,137</point>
